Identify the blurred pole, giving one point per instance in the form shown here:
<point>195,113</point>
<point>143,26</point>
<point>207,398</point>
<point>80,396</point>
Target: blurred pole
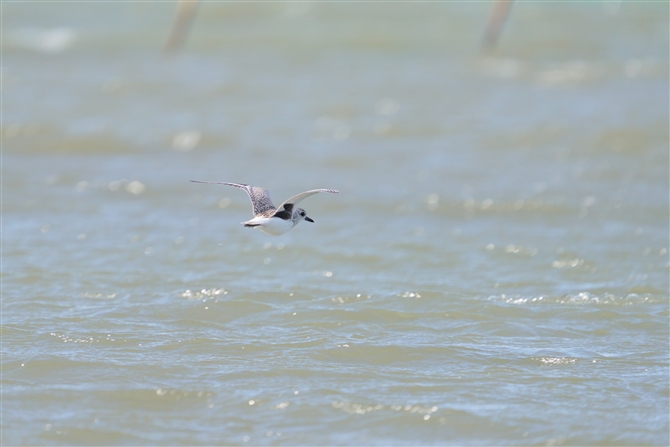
<point>497,15</point>
<point>183,18</point>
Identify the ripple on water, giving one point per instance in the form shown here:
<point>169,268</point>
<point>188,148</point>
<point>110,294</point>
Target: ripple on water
<point>582,298</point>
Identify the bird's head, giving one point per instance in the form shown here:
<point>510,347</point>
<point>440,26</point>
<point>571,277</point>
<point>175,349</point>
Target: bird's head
<point>303,215</point>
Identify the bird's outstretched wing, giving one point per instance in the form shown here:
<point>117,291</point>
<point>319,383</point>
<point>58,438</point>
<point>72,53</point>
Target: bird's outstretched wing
<point>287,205</point>
<point>260,197</point>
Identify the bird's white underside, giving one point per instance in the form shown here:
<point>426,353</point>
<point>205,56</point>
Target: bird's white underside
<point>271,225</point>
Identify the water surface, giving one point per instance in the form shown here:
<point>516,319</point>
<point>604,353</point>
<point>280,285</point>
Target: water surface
<point>493,271</point>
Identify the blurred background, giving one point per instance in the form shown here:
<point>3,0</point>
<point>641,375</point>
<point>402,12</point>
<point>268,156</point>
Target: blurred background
<point>493,271</point>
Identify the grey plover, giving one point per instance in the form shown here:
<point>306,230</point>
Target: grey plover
<point>268,218</point>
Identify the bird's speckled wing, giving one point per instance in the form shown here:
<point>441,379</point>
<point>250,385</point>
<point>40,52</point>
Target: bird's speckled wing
<point>303,195</point>
<point>260,198</point>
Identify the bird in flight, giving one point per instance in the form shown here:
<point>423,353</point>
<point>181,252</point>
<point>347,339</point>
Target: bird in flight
<point>268,218</point>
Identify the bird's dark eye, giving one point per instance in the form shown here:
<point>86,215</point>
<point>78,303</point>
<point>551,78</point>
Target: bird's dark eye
<point>302,214</point>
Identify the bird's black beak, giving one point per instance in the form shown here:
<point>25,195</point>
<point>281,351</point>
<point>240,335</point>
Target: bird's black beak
<point>308,219</point>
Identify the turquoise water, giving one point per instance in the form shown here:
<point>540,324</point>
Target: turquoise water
<point>494,270</point>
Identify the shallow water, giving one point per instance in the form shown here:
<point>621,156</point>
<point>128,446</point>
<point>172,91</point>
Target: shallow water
<point>493,271</point>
